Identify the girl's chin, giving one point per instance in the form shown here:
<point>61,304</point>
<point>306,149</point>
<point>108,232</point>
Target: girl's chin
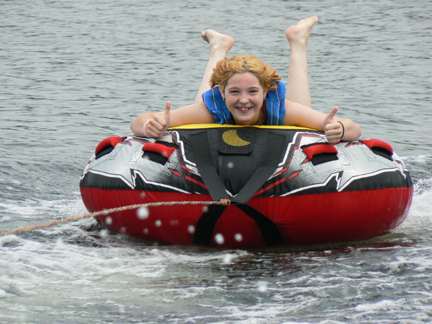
<point>245,118</point>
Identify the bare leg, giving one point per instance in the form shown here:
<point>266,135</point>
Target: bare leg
<point>220,44</point>
<point>298,81</point>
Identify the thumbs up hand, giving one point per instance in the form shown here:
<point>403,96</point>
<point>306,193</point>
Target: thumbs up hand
<point>158,124</point>
<point>334,130</point>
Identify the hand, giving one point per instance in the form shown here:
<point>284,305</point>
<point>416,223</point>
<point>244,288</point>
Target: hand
<point>158,124</point>
<point>332,128</point>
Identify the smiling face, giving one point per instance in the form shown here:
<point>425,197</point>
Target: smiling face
<point>244,97</point>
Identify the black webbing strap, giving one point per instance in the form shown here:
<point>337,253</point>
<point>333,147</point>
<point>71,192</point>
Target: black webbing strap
<point>203,160</point>
<point>206,223</point>
<point>271,157</point>
<point>274,149</point>
<point>268,228</point>
<point>202,155</point>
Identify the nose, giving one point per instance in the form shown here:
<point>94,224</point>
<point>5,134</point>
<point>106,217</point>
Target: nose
<point>244,98</point>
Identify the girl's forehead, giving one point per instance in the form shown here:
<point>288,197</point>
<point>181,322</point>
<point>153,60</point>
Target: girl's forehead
<point>245,79</point>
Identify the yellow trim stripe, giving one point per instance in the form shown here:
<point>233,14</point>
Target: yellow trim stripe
<point>206,126</point>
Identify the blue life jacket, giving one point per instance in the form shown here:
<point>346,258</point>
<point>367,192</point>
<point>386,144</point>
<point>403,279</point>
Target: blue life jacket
<point>275,106</point>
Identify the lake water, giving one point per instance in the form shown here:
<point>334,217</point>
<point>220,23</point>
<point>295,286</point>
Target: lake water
<point>75,72</point>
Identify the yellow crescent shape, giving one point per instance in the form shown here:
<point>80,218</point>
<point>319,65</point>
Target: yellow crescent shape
<point>231,138</point>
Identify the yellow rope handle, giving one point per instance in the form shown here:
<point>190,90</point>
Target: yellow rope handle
<point>113,210</point>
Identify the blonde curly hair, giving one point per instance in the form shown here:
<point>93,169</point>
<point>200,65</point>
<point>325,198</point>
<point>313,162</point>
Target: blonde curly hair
<point>225,69</point>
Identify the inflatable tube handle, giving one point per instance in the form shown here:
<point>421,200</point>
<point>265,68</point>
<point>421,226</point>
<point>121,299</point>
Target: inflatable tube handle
<point>163,150</point>
<point>315,149</point>
<point>113,141</point>
<point>371,143</point>
<point>379,147</point>
<point>319,153</point>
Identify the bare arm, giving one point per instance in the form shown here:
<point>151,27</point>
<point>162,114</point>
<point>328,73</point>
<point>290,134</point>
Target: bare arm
<point>155,124</point>
<point>300,115</point>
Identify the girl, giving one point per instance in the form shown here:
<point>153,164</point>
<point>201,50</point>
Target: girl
<point>243,90</point>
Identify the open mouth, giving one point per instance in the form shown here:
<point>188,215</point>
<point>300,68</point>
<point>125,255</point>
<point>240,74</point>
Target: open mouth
<point>244,109</point>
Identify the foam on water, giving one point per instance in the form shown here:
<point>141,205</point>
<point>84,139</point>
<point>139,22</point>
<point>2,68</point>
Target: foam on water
<point>82,266</point>
<point>76,266</point>
<point>419,221</point>
<point>37,211</point>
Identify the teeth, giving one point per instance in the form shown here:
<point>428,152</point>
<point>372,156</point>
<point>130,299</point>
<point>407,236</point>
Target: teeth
<point>243,109</point>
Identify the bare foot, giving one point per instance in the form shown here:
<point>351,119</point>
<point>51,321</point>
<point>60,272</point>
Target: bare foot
<point>217,41</point>
<point>299,34</point>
